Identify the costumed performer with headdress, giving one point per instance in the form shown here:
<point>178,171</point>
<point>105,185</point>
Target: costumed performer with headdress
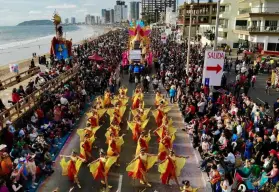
<point>117,110</point>
<point>123,91</point>
<point>86,147</point>
<point>137,126</point>
<point>71,167</point>
<point>100,167</point>
<point>114,146</point>
<point>171,167</point>
<point>143,142</point>
<point>139,166</point>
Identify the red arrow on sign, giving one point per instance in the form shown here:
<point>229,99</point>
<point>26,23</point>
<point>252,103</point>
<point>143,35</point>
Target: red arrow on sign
<point>218,68</point>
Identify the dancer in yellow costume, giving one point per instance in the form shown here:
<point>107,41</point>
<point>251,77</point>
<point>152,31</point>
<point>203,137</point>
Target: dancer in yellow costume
<point>86,147</point>
<point>159,99</point>
<point>71,167</point>
<point>123,92</point>
<point>171,167</point>
<point>114,146</point>
<point>138,167</point>
<point>159,113</point>
<point>187,187</point>
<point>100,103</point>
<point>107,98</point>
<point>100,168</point>
<point>165,145</point>
<point>141,112</point>
<point>137,98</point>
<point>137,126</point>
<point>117,110</point>
<point>160,132</point>
<point>112,129</point>
<point>93,118</point>
<point>143,143</point>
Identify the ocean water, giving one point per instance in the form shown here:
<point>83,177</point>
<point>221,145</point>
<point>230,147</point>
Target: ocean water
<point>21,35</point>
<point>18,43</point>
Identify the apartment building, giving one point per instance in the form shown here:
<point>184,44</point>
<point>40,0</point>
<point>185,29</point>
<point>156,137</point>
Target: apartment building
<point>257,24</point>
<point>203,16</point>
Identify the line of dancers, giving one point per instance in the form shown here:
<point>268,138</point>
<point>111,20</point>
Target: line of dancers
<point>169,164</point>
<point>100,167</point>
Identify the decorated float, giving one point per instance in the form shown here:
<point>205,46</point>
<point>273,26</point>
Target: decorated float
<point>60,47</point>
<point>138,45</point>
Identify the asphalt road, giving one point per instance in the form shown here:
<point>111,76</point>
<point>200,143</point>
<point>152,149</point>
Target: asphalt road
<point>118,177</point>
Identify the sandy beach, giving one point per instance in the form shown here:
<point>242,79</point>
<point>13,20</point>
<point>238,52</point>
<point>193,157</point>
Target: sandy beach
<point>22,54</point>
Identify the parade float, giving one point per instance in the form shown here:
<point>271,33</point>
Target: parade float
<point>60,47</point>
<point>138,45</point>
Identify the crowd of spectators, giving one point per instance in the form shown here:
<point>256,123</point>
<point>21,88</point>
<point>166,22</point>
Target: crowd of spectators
<point>234,135</point>
<point>28,150</point>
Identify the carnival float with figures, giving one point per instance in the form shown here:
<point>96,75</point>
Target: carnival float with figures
<point>138,45</point>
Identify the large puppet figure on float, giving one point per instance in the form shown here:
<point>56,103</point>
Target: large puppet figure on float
<point>60,47</point>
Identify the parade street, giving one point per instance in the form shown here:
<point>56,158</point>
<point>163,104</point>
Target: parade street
<point>118,177</point>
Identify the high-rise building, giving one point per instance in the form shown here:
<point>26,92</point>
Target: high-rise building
<point>103,12</point>
<point>107,16</point>
<point>112,16</point>
<point>98,20</point>
<point>88,19</point>
<point>134,10</point>
<point>151,10</point>
<point>92,20</point>
<point>66,21</point>
<point>120,12</point>
<point>73,20</point>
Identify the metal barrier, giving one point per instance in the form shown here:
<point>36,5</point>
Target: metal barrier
<point>16,111</point>
<point>19,77</point>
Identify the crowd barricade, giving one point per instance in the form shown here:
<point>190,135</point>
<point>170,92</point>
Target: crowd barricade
<point>27,103</point>
<point>19,77</point>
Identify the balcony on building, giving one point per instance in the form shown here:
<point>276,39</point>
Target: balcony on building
<point>258,12</point>
<point>272,30</point>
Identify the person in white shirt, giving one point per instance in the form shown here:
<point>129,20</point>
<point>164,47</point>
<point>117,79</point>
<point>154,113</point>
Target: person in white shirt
<point>239,129</point>
<point>230,158</point>
<point>64,101</point>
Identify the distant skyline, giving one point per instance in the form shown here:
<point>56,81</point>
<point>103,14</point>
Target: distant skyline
<point>13,12</point>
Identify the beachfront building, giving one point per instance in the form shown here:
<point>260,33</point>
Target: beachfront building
<point>257,24</point>
<point>98,20</point>
<point>103,12</point>
<point>203,19</point>
<point>120,12</point>
<point>134,10</point>
<point>152,10</point>
<point>66,21</point>
<point>111,16</point>
<point>88,19</point>
<point>73,20</point>
<point>93,20</point>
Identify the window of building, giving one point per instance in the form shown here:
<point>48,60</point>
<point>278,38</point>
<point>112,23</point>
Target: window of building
<point>271,25</point>
<point>273,46</point>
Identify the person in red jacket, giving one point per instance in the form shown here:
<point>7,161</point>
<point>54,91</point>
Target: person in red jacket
<point>15,96</point>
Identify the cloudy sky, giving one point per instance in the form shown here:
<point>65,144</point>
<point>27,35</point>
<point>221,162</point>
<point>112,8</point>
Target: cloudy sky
<point>13,12</point>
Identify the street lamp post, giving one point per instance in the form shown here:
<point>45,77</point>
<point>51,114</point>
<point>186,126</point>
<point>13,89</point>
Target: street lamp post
<point>189,40</point>
<point>217,25</point>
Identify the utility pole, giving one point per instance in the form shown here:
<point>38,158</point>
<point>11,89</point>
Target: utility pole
<point>189,40</point>
<point>216,26</point>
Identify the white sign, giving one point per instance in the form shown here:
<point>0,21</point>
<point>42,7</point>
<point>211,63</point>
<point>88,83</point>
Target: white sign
<point>164,38</point>
<point>135,55</point>
<point>213,67</point>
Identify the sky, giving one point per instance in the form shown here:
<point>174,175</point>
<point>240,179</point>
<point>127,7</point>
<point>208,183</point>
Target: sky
<point>13,12</point>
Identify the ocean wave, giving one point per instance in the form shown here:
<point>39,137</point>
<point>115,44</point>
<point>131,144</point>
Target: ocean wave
<point>23,43</point>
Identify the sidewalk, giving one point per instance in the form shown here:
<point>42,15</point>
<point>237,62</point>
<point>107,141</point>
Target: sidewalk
<point>6,94</point>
